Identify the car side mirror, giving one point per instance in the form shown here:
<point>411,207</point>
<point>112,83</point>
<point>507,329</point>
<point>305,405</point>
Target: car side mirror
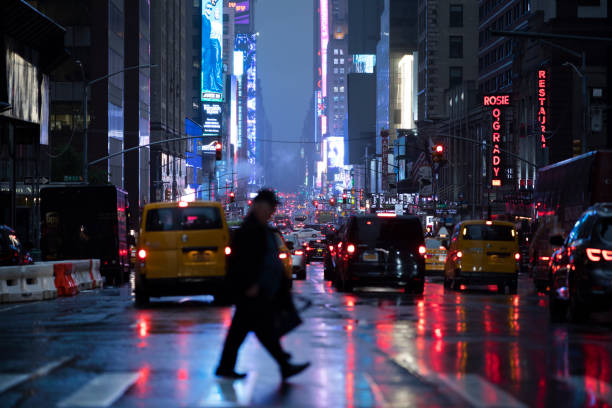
<point>556,240</point>
<point>290,245</point>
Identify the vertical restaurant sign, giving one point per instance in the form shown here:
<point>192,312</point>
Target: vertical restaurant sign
<point>542,104</point>
<point>212,50</point>
<point>496,102</point>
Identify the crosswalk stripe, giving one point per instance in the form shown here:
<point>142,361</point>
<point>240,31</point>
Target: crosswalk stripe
<point>102,391</point>
<point>472,387</point>
<point>478,391</point>
<point>8,381</point>
<point>228,393</point>
<point>592,386</point>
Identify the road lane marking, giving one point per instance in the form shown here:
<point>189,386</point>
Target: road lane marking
<point>591,386</point>
<point>102,391</point>
<point>478,391</point>
<point>379,397</point>
<point>229,393</point>
<point>5,309</point>
<point>8,381</point>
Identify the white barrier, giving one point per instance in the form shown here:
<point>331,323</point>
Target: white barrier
<point>24,283</point>
<point>27,283</point>
<point>86,273</point>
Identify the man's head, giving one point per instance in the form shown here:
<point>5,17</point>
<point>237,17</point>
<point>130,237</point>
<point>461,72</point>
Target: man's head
<point>264,205</point>
<point>208,9</point>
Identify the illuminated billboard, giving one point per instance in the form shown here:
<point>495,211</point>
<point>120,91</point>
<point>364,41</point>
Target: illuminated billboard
<point>335,152</point>
<point>242,11</point>
<point>212,50</point>
<point>245,46</point>
<point>364,63</point>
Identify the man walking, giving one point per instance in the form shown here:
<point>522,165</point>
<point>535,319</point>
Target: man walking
<point>256,276</point>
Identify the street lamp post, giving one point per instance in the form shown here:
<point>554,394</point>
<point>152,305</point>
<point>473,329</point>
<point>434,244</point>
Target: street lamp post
<point>86,86</point>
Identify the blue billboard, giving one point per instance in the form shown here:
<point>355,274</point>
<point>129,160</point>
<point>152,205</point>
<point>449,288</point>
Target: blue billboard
<point>212,50</point>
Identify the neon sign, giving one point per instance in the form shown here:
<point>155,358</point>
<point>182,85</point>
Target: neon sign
<point>542,110</point>
<point>497,101</point>
<point>324,42</point>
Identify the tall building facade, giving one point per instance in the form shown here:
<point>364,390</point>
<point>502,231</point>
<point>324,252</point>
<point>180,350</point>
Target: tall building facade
<point>168,52</point>
<point>137,110</point>
<point>32,47</point>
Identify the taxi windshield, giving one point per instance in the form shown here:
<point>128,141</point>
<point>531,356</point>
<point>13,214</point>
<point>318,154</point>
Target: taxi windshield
<point>479,232</point>
<point>183,219</point>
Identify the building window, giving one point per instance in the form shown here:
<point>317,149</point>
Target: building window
<point>341,52</point>
<point>455,76</point>
<point>342,70</point>
<point>335,61</point>
<point>335,89</point>
<point>341,60</point>
<point>456,15</point>
<point>335,51</point>
<point>341,89</point>
<point>455,46</point>
<point>335,70</point>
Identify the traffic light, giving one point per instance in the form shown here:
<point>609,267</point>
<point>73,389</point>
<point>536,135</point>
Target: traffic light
<point>315,203</point>
<point>344,199</point>
<point>437,153</point>
<point>232,196</point>
<point>332,201</point>
<point>218,152</point>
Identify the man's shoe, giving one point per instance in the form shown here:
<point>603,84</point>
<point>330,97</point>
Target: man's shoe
<point>286,356</point>
<point>229,374</point>
<point>289,370</point>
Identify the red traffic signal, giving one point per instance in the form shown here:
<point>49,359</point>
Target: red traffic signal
<point>332,201</point>
<point>232,196</point>
<point>344,199</point>
<point>218,151</point>
<point>438,153</point>
<point>315,203</point>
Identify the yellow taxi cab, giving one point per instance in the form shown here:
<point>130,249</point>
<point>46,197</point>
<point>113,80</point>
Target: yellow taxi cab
<point>483,253</point>
<point>285,255</point>
<point>182,250</point>
<point>435,257</point>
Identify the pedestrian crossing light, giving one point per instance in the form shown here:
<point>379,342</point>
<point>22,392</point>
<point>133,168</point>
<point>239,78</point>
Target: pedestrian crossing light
<point>218,152</point>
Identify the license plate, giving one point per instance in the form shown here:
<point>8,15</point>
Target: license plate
<point>442,258</point>
<point>200,257</point>
<point>370,257</point>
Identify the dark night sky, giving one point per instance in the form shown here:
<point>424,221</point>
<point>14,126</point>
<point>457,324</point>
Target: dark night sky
<point>284,64</point>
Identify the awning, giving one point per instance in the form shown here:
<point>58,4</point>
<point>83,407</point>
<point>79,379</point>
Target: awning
<point>27,25</point>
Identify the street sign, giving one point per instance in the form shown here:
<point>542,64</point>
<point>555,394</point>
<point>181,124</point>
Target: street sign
<point>32,180</point>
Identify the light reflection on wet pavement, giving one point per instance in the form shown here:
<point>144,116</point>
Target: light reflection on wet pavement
<point>370,348</point>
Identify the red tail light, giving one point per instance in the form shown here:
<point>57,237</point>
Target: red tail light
<point>142,254</point>
<point>595,254</point>
<point>459,254</point>
<point>298,252</point>
<point>350,248</point>
<point>308,248</point>
<point>545,258</point>
<point>282,255</point>
<point>517,256</point>
<point>422,250</point>
<point>228,250</point>
<point>331,248</point>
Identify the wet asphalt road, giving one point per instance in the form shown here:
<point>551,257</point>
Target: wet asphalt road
<point>370,348</point>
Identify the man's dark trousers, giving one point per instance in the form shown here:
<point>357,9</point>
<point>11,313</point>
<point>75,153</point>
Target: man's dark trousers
<point>254,315</point>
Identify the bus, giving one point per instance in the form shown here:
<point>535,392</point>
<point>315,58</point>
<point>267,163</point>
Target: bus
<point>87,222</point>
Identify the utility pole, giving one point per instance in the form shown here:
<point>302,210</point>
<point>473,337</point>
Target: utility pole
<point>86,86</point>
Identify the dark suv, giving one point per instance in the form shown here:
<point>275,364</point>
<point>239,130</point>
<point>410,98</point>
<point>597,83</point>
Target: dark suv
<point>581,269</point>
<point>381,250</point>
